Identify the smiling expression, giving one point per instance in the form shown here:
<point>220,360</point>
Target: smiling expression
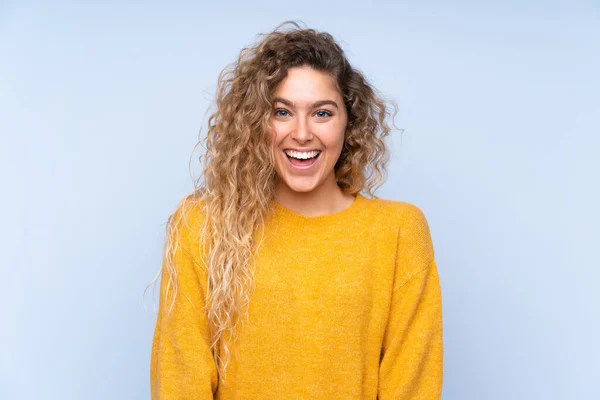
<point>308,121</point>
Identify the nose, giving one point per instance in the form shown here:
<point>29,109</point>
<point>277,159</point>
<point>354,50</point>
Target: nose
<point>302,132</point>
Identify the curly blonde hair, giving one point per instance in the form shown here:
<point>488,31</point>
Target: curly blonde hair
<point>237,185</point>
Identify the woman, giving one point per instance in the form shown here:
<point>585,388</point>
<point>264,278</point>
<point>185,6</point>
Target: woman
<point>280,279</point>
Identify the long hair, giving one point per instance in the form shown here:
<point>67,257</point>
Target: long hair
<point>237,184</point>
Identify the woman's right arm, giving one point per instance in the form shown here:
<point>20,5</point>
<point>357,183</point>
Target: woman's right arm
<point>182,365</point>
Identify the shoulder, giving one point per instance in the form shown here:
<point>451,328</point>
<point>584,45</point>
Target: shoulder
<point>414,243</point>
<point>188,218</point>
<point>401,214</point>
<point>191,205</point>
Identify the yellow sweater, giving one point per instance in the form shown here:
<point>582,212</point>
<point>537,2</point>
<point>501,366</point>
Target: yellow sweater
<point>346,306</point>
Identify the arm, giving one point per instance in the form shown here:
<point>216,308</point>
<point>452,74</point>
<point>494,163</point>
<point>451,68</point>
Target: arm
<point>182,366</point>
<point>411,365</point>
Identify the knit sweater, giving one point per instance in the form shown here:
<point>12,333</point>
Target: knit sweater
<point>345,306</point>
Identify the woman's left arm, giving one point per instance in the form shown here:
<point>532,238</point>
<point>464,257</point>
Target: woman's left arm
<point>411,365</point>
<point>412,362</point>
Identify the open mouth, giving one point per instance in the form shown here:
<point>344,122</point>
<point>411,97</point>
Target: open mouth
<point>302,159</point>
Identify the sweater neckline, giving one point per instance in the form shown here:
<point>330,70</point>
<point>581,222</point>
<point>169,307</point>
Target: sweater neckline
<point>293,216</point>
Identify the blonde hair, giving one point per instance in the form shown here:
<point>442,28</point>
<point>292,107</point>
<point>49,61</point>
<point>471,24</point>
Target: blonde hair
<point>237,185</point>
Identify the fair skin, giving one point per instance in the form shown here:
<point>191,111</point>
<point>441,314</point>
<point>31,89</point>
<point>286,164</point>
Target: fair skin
<point>309,117</point>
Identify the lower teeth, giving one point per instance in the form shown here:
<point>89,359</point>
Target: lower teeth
<point>302,160</point>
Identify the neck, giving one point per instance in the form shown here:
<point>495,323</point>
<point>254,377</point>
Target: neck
<point>324,199</point>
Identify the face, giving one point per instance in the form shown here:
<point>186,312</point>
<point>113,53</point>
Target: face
<point>307,126</point>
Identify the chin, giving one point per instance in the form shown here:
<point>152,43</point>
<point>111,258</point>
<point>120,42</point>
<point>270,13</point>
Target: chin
<point>300,187</point>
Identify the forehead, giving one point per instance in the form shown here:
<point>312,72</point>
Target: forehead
<point>304,84</point>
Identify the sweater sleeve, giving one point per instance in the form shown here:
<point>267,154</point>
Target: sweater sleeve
<point>411,365</point>
<point>182,366</point>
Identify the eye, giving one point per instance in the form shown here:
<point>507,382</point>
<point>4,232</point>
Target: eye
<point>279,111</point>
<point>327,113</point>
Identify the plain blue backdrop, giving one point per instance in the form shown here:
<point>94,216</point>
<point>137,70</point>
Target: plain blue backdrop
<point>101,105</point>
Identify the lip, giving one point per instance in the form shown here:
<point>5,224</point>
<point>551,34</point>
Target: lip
<point>302,168</point>
<point>300,150</point>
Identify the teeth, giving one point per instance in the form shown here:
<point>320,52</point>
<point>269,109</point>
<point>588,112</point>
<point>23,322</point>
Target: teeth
<point>302,155</point>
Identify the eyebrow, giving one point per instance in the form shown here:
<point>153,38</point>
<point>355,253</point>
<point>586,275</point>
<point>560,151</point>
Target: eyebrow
<point>314,105</point>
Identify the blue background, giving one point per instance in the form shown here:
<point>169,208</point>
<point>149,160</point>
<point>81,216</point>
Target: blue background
<point>101,106</point>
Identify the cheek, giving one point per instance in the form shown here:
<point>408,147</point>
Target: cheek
<point>275,135</point>
<point>334,138</point>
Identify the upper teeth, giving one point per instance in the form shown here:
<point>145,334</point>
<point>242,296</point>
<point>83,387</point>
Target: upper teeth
<point>302,155</point>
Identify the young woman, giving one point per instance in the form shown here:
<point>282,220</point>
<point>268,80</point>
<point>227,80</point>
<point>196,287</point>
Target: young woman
<point>281,280</point>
